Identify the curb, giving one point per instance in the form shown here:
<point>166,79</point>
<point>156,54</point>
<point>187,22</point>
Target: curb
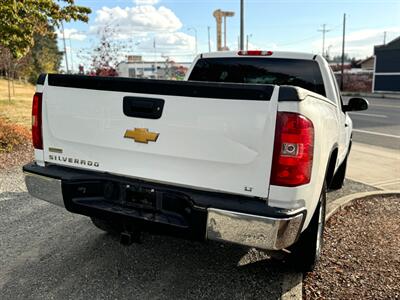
<point>292,283</point>
<point>342,202</point>
<point>297,281</point>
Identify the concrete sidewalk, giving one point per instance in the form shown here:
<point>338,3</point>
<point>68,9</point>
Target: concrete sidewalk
<point>375,166</point>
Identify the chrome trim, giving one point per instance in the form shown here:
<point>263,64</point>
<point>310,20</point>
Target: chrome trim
<point>44,188</point>
<point>254,231</point>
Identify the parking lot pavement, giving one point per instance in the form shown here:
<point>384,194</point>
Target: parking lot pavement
<point>48,253</point>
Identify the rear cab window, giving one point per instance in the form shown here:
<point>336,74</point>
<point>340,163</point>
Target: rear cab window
<point>279,71</point>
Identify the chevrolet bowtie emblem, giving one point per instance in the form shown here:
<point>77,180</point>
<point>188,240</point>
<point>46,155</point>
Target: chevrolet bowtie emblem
<point>141,135</point>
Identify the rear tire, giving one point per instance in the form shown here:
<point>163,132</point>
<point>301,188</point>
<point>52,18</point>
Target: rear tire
<point>107,226</point>
<point>306,251</point>
<point>338,179</point>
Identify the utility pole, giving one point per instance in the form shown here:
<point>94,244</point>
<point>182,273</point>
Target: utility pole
<point>342,71</point>
<point>209,39</point>
<point>384,37</point>
<point>323,30</point>
<point>65,48</point>
<point>241,24</point>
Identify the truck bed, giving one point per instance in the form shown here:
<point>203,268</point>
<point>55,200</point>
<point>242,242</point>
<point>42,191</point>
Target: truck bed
<point>212,136</point>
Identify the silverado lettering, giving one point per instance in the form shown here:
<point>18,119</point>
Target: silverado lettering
<point>73,160</point>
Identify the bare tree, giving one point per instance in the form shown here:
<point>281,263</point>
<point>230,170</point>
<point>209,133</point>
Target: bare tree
<point>106,54</point>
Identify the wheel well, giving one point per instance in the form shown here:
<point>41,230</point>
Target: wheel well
<point>331,167</point>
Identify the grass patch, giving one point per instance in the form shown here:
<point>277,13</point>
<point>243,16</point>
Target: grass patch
<point>18,111</point>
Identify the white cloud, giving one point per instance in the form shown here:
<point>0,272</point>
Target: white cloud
<point>138,26</point>
<point>168,42</point>
<point>359,43</point>
<point>138,19</point>
<point>146,2</point>
<point>71,33</point>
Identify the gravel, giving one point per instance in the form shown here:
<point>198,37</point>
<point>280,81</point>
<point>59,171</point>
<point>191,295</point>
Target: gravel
<point>361,256</point>
<point>21,156</point>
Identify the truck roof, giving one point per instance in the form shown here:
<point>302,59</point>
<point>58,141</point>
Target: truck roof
<point>274,54</point>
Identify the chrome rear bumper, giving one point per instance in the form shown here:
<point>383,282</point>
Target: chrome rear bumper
<point>262,232</point>
<point>254,231</point>
<point>44,188</point>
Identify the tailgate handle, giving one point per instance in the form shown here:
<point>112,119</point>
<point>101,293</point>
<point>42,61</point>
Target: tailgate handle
<point>141,107</point>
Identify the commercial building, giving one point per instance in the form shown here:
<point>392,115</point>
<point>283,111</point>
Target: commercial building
<point>136,67</point>
<point>387,67</point>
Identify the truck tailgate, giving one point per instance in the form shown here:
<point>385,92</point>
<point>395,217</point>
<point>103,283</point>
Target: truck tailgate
<point>208,136</point>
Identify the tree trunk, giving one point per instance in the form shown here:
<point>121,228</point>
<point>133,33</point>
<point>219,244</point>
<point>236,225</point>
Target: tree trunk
<point>9,87</point>
<point>9,78</point>
<point>14,68</point>
<point>13,87</point>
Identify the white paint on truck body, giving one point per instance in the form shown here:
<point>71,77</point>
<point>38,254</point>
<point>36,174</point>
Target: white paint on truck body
<point>214,144</point>
<point>220,145</point>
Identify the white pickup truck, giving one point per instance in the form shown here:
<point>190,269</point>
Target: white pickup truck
<point>242,151</point>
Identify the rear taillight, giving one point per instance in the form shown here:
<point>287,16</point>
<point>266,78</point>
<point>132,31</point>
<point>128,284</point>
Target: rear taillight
<point>255,53</point>
<point>293,150</point>
<point>37,139</point>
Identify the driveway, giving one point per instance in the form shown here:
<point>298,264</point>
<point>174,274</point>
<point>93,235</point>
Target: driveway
<point>48,253</point>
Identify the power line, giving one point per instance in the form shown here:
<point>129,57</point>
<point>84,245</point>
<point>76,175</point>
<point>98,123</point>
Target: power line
<point>298,41</point>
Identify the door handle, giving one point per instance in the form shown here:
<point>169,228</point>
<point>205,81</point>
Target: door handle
<point>141,107</point>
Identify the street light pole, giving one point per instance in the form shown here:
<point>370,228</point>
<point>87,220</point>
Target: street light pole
<point>247,40</point>
<point>70,53</point>
<point>65,47</point>
<point>241,24</point>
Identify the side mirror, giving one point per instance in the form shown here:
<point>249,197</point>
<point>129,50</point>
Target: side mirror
<point>356,104</point>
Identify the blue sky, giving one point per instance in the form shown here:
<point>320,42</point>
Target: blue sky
<point>290,25</point>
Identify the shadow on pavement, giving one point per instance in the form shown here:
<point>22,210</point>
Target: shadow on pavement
<point>92,264</point>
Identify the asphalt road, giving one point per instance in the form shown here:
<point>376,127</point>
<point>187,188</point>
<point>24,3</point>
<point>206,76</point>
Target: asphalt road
<point>379,125</point>
<point>49,253</point>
